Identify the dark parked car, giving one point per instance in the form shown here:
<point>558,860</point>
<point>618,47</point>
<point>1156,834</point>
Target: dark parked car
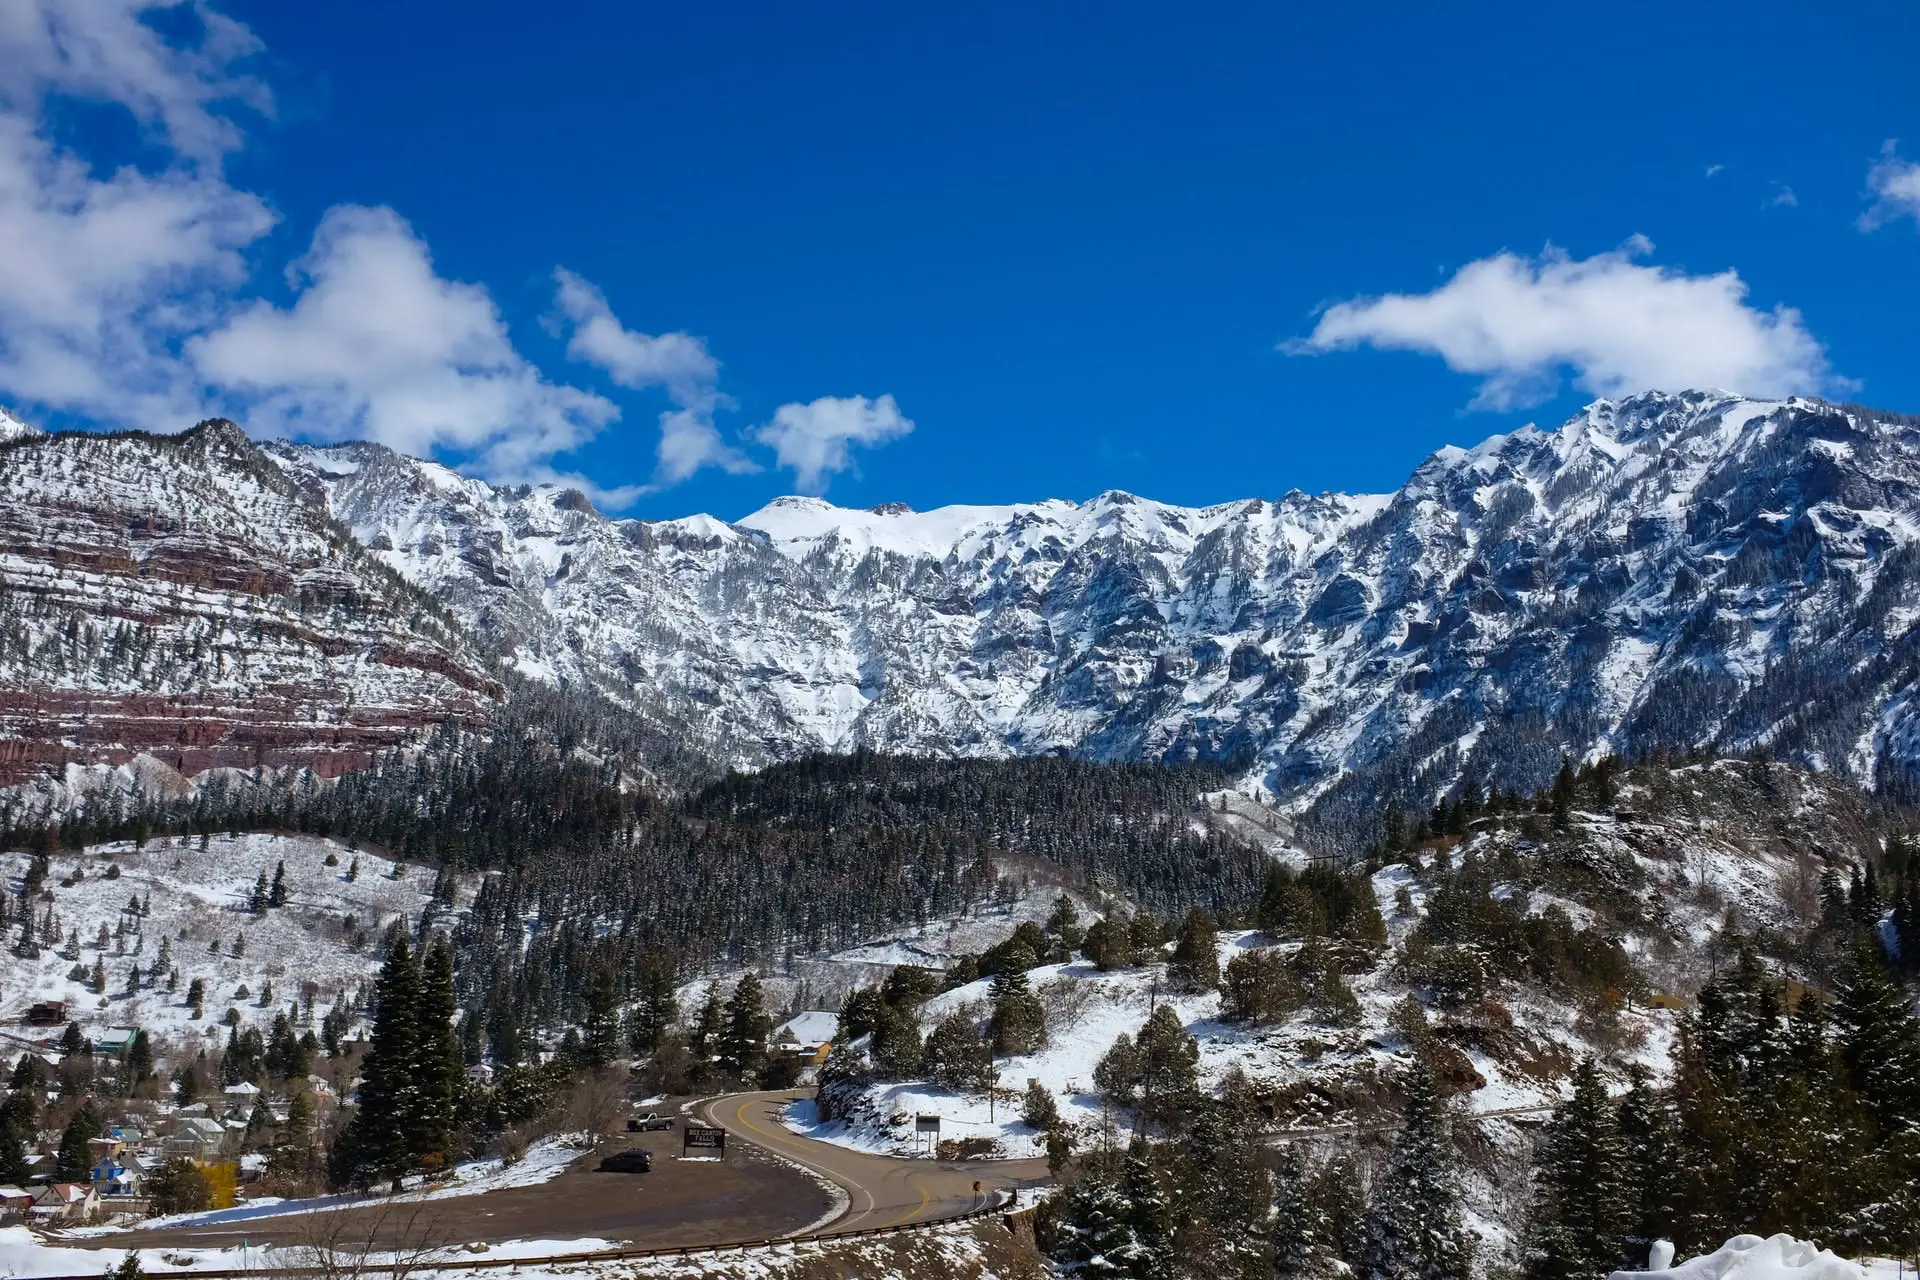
<point>632,1160</point>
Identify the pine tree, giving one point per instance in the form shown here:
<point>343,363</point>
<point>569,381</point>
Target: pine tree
<point>896,1044</point>
<point>1147,1252</point>
<point>73,1162</point>
<point>1414,1225</point>
<point>291,1163</point>
<point>13,1150</point>
<point>1652,1162</point>
<point>1117,1074</point>
<point>438,1072</point>
<point>743,1042</point>
<point>656,1009</point>
<point>1222,1195</point>
<point>1063,927</point>
<point>1879,1039</point>
<point>1019,1021</point>
<point>277,891</point>
<point>955,1056</point>
<point>1099,1230</point>
<point>1169,1064</point>
<point>1038,1110</point>
<point>600,1041</point>
<point>140,1057</point>
<point>708,1024</point>
<point>257,900</point>
<point>1580,1215</point>
<point>376,1143</point>
<point>1195,963</point>
<point>1299,1244</point>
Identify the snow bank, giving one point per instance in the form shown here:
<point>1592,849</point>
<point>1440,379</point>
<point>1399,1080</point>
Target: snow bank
<point>26,1255</point>
<point>1779,1257</point>
<point>544,1161</point>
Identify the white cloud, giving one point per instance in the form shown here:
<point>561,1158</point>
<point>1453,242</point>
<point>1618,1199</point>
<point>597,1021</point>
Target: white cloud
<point>122,295</point>
<point>1895,186</point>
<point>814,439</point>
<point>125,295</point>
<point>1714,169</point>
<point>103,50</point>
<point>679,362</point>
<point>1783,197</point>
<point>102,275</point>
<point>675,360</point>
<point>1620,326</point>
<point>376,345</point>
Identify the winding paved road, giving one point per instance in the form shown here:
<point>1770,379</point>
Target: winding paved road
<point>882,1191</point>
<point>754,1194</point>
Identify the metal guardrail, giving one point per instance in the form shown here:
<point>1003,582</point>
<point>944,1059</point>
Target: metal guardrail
<point>1005,1200</point>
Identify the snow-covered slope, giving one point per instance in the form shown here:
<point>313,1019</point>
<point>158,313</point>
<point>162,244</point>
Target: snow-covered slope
<point>1677,568</point>
<point>323,943</point>
<point>176,596</point>
<point>1691,858</point>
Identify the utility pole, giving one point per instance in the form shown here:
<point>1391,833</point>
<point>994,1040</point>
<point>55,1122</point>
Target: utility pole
<point>1151,1068</point>
<point>993,1077</point>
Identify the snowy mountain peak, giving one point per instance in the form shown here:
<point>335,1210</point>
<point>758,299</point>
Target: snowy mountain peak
<point>14,428</point>
<point>1662,569</point>
<point>1633,575</point>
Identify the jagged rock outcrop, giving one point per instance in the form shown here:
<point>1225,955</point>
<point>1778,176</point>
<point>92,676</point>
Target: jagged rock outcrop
<point>180,597</point>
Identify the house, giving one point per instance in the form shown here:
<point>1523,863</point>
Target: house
<point>114,1042</point>
<point>106,1148</point>
<point>480,1074</point>
<point>39,1168</point>
<point>48,1013</point>
<point>196,1138</point>
<point>67,1203</point>
<point>113,1177</point>
<point>14,1204</point>
<point>808,1034</point>
<point>243,1093</point>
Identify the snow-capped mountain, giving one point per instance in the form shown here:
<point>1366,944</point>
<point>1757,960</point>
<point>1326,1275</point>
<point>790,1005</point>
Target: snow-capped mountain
<point>178,597</point>
<point>1677,569</point>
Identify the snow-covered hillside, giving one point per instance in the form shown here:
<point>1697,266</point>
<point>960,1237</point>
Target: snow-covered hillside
<point>1688,858</point>
<point>194,900</point>
<point>177,596</point>
<point>1677,568</point>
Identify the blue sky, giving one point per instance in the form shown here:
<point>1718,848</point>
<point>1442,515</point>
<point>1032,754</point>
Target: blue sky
<point>1079,247</point>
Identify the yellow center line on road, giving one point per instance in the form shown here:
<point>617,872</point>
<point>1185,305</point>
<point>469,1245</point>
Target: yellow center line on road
<point>790,1147</point>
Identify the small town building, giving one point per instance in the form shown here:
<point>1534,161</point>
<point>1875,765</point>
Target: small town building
<point>115,1177</point>
<point>808,1034</point>
<point>196,1137</point>
<point>114,1042</point>
<point>48,1013</point>
<point>66,1203</point>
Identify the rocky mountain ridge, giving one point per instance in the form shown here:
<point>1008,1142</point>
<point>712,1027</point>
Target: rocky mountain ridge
<point>177,597</point>
<point>1669,569</point>
<point>1665,570</point>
